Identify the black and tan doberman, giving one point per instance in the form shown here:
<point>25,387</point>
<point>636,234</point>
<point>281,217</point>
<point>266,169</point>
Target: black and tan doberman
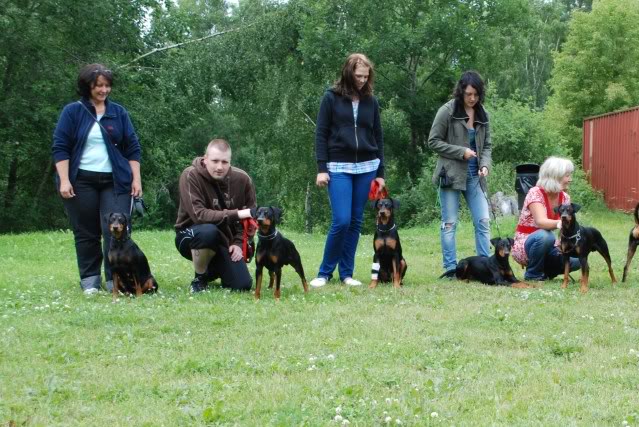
<point>492,270</point>
<point>131,271</point>
<point>633,242</point>
<point>389,264</point>
<point>577,241</point>
<point>274,251</point>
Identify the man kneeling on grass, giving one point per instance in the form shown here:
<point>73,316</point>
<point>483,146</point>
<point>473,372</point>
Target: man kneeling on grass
<point>214,197</point>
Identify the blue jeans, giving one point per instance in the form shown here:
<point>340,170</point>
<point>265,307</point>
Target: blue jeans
<point>545,261</point>
<point>348,194</point>
<point>478,206</point>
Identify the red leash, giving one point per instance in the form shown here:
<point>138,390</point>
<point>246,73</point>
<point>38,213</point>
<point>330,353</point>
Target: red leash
<point>376,193</point>
<point>250,227</point>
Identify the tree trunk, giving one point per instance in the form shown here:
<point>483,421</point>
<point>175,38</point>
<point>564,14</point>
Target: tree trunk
<point>12,182</point>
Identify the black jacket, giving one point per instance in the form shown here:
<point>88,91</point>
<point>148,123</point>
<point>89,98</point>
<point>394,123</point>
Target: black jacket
<point>339,139</point>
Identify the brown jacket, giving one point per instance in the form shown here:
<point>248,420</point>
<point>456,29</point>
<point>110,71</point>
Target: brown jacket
<point>199,203</point>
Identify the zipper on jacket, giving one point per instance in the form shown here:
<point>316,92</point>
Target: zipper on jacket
<point>356,140</point>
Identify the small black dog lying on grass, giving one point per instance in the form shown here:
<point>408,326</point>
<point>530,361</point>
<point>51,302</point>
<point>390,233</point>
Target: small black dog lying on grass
<point>579,241</point>
<point>633,241</point>
<point>131,272</point>
<point>493,270</point>
<point>274,251</point>
<point>388,262</point>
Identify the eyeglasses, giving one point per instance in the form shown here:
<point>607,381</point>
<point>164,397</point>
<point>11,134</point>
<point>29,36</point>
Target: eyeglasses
<point>106,72</point>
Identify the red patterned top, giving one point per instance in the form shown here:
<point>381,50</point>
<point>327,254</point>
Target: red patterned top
<point>527,225</point>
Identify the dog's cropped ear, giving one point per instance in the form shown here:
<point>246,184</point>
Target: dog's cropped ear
<point>395,203</point>
<point>277,214</point>
<point>107,217</point>
<point>575,207</point>
<point>494,241</point>
<point>511,241</point>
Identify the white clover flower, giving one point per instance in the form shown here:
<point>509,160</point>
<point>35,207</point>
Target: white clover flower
<point>345,422</point>
<point>338,410</point>
<point>387,420</point>
<point>434,415</point>
<point>398,421</point>
<point>331,357</point>
<point>389,400</point>
<point>338,418</point>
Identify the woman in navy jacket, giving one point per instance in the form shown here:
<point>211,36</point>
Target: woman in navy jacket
<point>97,157</point>
<point>349,149</point>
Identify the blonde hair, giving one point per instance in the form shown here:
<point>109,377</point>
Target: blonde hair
<point>220,144</point>
<point>552,171</point>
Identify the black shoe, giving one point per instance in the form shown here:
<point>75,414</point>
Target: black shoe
<point>199,284</point>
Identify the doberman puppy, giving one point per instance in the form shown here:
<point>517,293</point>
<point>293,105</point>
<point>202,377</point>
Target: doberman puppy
<point>131,272</point>
<point>633,241</point>
<point>388,262</point>
<point>274,251</point>
<point>579,241</point>
<point>492,270</point>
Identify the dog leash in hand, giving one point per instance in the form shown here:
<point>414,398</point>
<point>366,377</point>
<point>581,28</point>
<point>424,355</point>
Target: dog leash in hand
<point>248,224</point>
<point>492,208</point>
<point>377,193</point>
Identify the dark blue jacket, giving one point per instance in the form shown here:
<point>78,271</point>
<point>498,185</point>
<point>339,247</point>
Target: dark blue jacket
<point>122,143</point>
<point>339,139</point>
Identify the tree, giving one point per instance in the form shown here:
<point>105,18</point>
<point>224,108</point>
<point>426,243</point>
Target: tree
<point>42,45</point>
<point>596,70</point>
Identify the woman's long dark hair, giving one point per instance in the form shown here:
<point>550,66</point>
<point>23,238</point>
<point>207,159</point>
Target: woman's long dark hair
<point>346,86</point>
<point>469,78</point>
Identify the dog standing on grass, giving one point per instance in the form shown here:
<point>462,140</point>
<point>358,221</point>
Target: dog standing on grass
<point>274,251</point>
<point>131,271</point>
<point>389,264</point>
<point>492,270</point>
<point>578,241</point>
<point>633,241</point>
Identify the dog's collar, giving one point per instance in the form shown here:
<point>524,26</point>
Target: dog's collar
<point>268,237</point>
<point>576,236</point>
<point>388,229</point>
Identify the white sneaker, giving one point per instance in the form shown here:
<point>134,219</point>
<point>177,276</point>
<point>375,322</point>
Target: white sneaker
<point>91,291</point>
<point>349,281</point>
<point>318,282</point>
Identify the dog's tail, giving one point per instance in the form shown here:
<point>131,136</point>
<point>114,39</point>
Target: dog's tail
<point>449,274</point>
<point>637,214</point>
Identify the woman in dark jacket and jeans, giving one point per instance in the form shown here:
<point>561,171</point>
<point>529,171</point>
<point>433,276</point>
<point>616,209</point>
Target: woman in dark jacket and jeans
<point>97,157</point>
<point>349,149</point>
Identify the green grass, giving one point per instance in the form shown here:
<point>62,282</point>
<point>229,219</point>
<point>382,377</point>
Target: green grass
<point>434,353</point>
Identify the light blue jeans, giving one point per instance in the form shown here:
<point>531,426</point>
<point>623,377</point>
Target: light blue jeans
<point>348,194</point>
<point>478,206</point>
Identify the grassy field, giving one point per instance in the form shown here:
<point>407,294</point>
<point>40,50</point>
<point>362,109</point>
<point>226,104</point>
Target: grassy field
<point>433,353</point>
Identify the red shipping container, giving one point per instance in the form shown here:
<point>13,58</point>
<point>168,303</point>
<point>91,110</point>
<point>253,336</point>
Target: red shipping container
<point>611,156</point>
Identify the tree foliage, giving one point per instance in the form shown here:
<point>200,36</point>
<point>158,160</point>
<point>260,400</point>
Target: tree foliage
<point>596,70</point>
<point>260,82</point>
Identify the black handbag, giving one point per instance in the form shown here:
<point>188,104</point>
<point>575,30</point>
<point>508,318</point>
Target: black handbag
<point>444,180</point>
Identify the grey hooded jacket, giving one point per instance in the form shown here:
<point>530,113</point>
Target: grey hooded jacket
<point>449,139</point>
